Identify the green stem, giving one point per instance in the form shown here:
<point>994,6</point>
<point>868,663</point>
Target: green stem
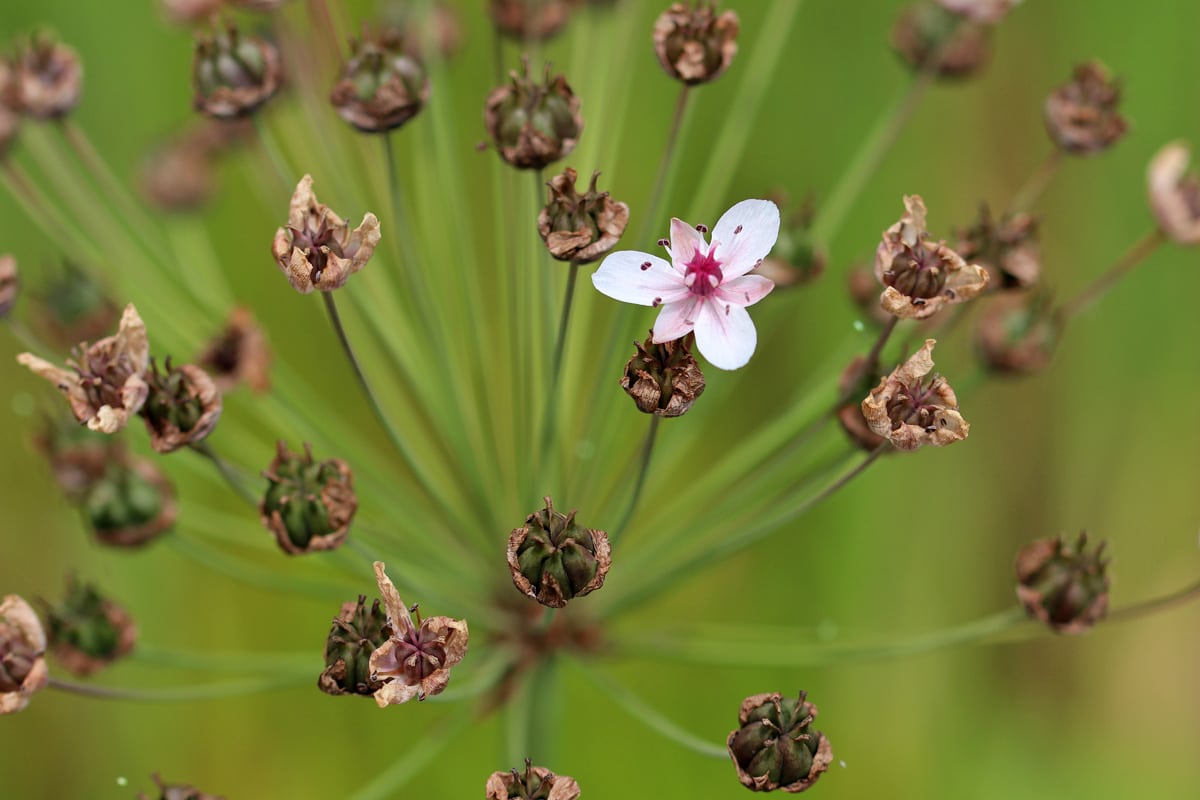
<point>429,746</point>
<point>639,484</point>
<point>1147,607</point>
<point>832,213</point>
<point>563,320</point>
<point>648,716</point>
<point>665,164</point>
<point>273,663</point>
<point>270,147</point>
<point>1036,184</point>
<point>1124,265</point>
<point>183,694</point>
<point>227,473</point>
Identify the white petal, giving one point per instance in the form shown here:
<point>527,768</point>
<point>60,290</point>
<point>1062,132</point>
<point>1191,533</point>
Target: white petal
<point>746,290</point>
<point>747,232</point>
<point>676,320</point>
<point>685,241</point>
<point>621,276</point>
<point>725,334</point>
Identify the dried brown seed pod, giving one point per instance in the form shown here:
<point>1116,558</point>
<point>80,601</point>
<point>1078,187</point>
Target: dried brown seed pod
<point>663,379</point>
<point>533,124</point>
<point>695,45</point>
<point>22,654</point>
<point>1007,248</point>
<point>381,87</point>
<point>318,250</point>
<point>1082,115</point>
<point>88,631</point>
<point>775,745</point>
<point>530,20</point>
<point>183,406</point>
<point>553,559</point>
<point>911,413</point>
<point>49,78</point>
<point>926,31</point>
<point>535,783</point>
<point>1017,333</point>
<point>234,74</point>
<point>580,227</point>
<point>238,354</point>
<point>357,632</point>
<point>1062,585</point>
<point>308,504</point>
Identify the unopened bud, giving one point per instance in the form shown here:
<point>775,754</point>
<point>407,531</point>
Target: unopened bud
<point>1062,585</point>
<point>358,631</point>
<point>553,559</point>
<point>381,87</point>
<point>22,649</point>
<point>233,74</point>
<point>580,227</point>
<point>238,354</point>
<point>695,45</point>
<point>49,78</point>
<point>88,631</point>
<point>308,504</point>
<point>533,123</point>
<point>535,783</point>
<point>663,379</point>
<point>775,745</point>
<point>928,37</point>
<point>1082,116</point>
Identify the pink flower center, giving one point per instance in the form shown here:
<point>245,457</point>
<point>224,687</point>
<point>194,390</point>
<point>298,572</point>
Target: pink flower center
<point>703,273</point>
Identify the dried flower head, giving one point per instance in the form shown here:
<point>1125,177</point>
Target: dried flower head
<point>357,632</point>
<point>176,792</point>
<point>239,354</point>
<point>308,504</point>
<point>530,20</point>
<point>10,106</point>
<point>233,74</point>
<point>855,381</point>
<point>705,287</point>
<point>417,659</point>
<point>381,86</point>
<point>49,78</point>
<point>22,649</point>
<point>105,383</point>
<point>186,12</point>
<point>1062,585</point>
<point>178,176</point>
<point>317,249</point>
<point>911,413</point>
<point>663,379</point>
<point>988,12</point>
<point>775,745</point>
<point>9,283</point>
<point>1175,194</point>
<point>183,406</point>
<point>1081,115</point>
<point>88,631</point>
<point>552,559</point>
<point>1017,333</point>
<point>1007,248</point>
<point>580,228</point>
<point>921,276</point>
<point>927,31</point>
<point>533,124</point>
<point>695,45</point>
<point>535,783</point>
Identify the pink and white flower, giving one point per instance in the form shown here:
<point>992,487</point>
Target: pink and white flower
<point>705,287</point>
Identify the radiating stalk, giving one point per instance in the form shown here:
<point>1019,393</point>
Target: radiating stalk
<point>1124,265</point>
<point>666,165</point>
<point>639,482</point>
<point>226,471</point>
<point>1036,184</point>
<point>270,148</point>
<point>429,745</point>
<point>184,694</point>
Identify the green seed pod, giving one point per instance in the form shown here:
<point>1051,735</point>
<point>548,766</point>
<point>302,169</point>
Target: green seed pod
<point>87,631</point>
<point>232,74</point>
<point>130,503</point>
<point>308,505</point>
<point>1062,585</point>
<point>533,124</point>
<point>381,86</point>
<point>183,406</point>
<point>552,559</point>
<point>357,632</point>
<point>776,746</point>
<point>663,379</point>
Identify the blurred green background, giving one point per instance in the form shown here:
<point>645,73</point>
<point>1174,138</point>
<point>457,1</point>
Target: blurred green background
<point>1105,441</point>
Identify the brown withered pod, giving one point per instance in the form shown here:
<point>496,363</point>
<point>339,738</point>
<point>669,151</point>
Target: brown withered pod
<point>1062,585</point>
<point>663,379</point>
<point>88,631</point>
<point>554,559</point>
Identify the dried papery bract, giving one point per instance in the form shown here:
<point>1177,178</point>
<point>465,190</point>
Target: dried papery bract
<point>318,250</point>
<point>663,379</point>
<point>921,276</point>
<point>183,406</point>
<point>775,745</point>
<point>988,12</point>
<point>1062,585</point>
<point>238,355</point>
<point>862,287</point>
<point>9,283</point>
<point>1082,116</point>
<point>233,74</point>
<point>533,124</point>
<point>176,791</point>
<point>105,382</point>
<point>553,559</point>
<point>530,20</point>
<point>22,649</point>
<point>855,381</point>
<point>1007,248</point>
<point>308,504</point>
<point>88,631</point>
<point>1175,194</point>
<point>1017,333</point>
<point>416,660</point>
<point>10,107</point>
<point>928,37</point>
<point>535,783</point>
<point>910,412</point>
<point>695,44</point>
<point>381,86</point>
<point>358,631</point>
<point>580,227</point>
<point>49,78</point>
